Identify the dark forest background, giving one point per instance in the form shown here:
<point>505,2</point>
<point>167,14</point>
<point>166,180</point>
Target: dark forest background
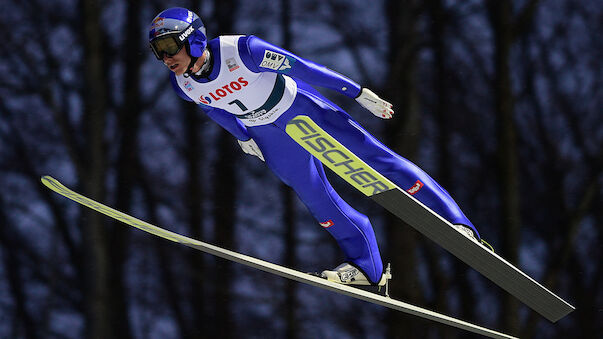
<point>500,101</point>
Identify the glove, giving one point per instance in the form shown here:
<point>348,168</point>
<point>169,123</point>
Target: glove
<point>250,147</point>
<point>373,103</point>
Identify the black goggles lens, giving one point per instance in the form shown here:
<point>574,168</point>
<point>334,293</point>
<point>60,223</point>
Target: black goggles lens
<point>166,45</point>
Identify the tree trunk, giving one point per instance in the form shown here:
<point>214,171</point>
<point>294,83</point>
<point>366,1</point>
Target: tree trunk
<point>402,135</point>
<point>500,13</point>
<point>127,159</point>
<point>95,237</point>
<point>224,198</point>
<point>445,157</point>
<point>194,201</point>
<point>289,216</point>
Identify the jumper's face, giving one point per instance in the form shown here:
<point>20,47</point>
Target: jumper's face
<point>178,62</point>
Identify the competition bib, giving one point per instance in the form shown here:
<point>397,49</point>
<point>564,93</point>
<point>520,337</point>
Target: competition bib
<point>255,98</point>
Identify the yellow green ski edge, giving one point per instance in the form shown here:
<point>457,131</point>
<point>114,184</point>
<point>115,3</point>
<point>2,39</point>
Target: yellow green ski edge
<point>59,188</point>
<point>336,156</point>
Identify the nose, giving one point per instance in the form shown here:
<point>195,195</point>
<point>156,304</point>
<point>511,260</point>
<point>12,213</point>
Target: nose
<point>165,58</point>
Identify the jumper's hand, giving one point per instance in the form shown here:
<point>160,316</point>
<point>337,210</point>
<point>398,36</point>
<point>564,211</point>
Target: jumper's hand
<point>250,147</point>
<point>376,105</point>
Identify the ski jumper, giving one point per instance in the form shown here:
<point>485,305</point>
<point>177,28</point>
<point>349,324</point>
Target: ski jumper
<point>253,90</point>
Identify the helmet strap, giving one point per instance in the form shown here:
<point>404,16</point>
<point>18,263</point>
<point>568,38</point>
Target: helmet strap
<point>189,69</point>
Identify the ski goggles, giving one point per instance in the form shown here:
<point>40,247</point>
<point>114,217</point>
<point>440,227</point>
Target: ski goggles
<point>172,42</point>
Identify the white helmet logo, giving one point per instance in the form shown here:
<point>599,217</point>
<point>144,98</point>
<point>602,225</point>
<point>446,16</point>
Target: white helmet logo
<point>186,33</point>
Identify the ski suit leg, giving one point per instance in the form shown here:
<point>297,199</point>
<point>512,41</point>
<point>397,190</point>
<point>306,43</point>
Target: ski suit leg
<point>399,170</point>
<point>305,174</point>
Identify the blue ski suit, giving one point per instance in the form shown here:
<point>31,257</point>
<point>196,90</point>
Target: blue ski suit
<point>254,88</point>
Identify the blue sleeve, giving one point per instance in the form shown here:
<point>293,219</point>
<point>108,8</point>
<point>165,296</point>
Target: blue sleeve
<point>228,121</point>
<point>261,56</point>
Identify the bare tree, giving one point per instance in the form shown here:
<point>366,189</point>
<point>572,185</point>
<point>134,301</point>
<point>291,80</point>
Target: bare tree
<point>224,196</point>
<point>403,135</point>
<point>93,171</point>
<point>289,202</point>
<point>506,27</point>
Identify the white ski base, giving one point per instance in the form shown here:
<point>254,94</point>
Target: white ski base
<point>59,188</point>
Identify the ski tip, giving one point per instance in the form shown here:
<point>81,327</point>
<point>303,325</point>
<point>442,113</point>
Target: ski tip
<point>48,181</point>
<point>46,178</point>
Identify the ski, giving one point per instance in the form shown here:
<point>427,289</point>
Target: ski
<point>266,266</point>
<point>360,175</point>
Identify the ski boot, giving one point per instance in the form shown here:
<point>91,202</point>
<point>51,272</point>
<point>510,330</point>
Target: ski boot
<point>468,232</point>
<point>348,274</point>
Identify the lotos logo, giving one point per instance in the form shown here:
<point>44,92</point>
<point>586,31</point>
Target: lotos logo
<point>224,91</point>
<point>415,188</point>
<point>205,100</point>
<point>327,223</point>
